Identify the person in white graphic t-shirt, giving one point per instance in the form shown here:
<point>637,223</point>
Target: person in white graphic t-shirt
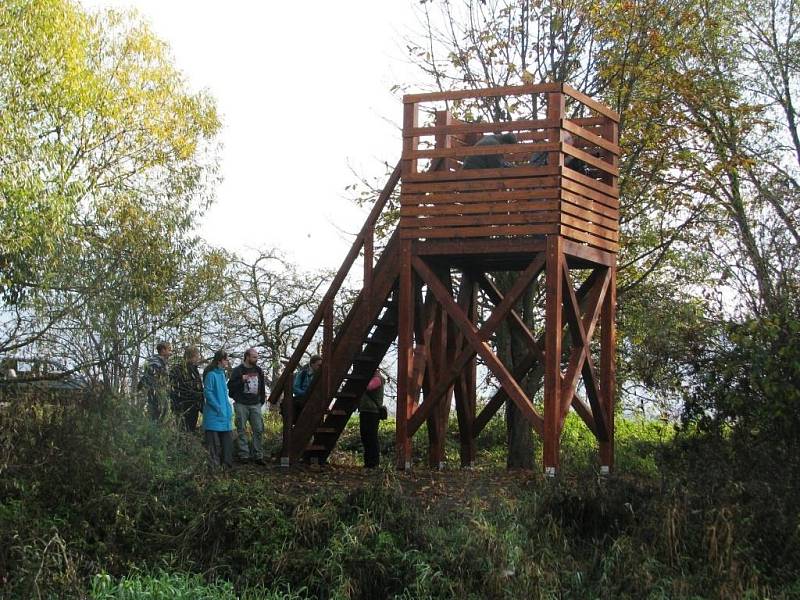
<point>248,390</point>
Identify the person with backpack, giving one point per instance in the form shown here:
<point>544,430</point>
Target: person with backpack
<point>217,412</point>
<point>302,384</point>
<point>370,412</point>
<point>490,161</point>
<point>248,390</point>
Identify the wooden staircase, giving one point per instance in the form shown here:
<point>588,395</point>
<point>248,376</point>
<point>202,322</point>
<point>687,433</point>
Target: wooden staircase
<point>350,358</point>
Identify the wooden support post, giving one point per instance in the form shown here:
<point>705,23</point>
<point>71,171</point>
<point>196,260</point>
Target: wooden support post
<point>437,362</point>
<point>288,419</point>
<point>405,335</point>
<point>608,382</point>
<point>410,121</point>
<point>555,112</point>
<point>552,351</point>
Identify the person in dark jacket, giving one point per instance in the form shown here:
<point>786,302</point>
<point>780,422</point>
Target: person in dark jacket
<point>248,390</point>
<point>155,381</point>
<point>302,383</point>
<point>187,389</point>
<point>490,161</point>
<point>369,416</point>
<point>217,412</point>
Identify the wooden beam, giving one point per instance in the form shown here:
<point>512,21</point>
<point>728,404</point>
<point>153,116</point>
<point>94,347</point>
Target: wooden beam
<point>608,341</point>
<point>552,350</point>
<point>475,338</point>
<point>494,320</point>
<point>404,357</point>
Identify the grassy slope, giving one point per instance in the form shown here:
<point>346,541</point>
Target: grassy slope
<point>94,492</point>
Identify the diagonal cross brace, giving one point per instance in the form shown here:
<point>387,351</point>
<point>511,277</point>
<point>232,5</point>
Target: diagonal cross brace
<point>477,339</point>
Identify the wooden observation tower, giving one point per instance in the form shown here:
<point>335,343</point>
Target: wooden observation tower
<point>549,220</point>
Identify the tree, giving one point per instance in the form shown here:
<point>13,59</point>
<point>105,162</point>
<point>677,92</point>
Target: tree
<point>106,161</point>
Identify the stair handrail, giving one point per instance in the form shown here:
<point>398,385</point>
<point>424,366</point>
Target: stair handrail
<point>364,239</point>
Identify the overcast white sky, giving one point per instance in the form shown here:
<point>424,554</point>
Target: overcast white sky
<point>303,89</point>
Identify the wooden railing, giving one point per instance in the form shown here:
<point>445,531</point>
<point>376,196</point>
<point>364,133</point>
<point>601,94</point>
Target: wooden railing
<point>560,177</point>
<point>282,389</point>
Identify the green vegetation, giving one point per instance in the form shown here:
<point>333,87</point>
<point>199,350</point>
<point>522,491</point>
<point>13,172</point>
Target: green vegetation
<point>97,501</point>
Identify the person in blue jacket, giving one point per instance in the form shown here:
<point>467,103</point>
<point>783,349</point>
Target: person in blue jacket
<point>302,383</point>
<point>217,412</point>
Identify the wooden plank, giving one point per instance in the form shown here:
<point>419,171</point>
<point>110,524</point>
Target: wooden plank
<point>482,174</point>
<point>608,342</point>
<point>590,205</point>
<point>597,163</point>
<point>507,218</point>
<point>591,103</point>
<point>588,371</point>
<point>468,353</point>
<point>467,232</point>
<point>582,190</point>
<point>468,247</point>
<point>585,226</point>
<point>463,151</point>
<point>548,180</point>
<point>584,252</point>
<point>589,215</point>
<point>552,351</point>
<point>590,122</point>
<point>590,136</point>
<point>404,357</point>
<point>508,90</point>
<point>479,208</point>
<point>582,236</point>
<point>598,186</point>
<point>515,392</point>
<point>459,127</point>
<point>490,195</point>
<point>410,121</point>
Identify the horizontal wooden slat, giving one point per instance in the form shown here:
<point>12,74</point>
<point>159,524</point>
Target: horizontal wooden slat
<point>587,227</point>
<point>483,150</point>
<point>590,239</point>
<point>471,220</point>
<point>589,204</point>
<point>503,183</point>
<point>481,208</point>
<point>591,103</point>
<point>590,137</point>
<point>496,127</point>
<point>499,196</point>
<point>590,121</point>
<point>482,174</point>
<point>585,252</point>
<point>601,187</point>
<point>471,232</point>
<point>588,215</point>
<point>509,90</point>
<point>577,188</point>
<point>590,160</point>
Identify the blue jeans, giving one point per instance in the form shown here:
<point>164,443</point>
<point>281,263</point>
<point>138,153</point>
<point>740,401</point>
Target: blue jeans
<point>249,413</point>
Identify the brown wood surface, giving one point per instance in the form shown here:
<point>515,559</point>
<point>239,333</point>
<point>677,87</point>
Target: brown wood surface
<point>552,350</point>
<point>458,127</point>
<point>611,193</point>
<point>463,151</point>
<point>492,208</point>
<point>509,217</point>
<point>589,204</point>
<point>590,136</point>
<point>586,226</point>
<point>467,232</point>
<point>478,196</point>
<point>548,178</point>
<point>589,215</point>
<point>595,162</point>
<point>509,90</point>
<point>582,236</point>
<point>590,102</point>
<point>467,174</point>
<point>595,255</point>
<point>405,330</point>
<point>608,342</point>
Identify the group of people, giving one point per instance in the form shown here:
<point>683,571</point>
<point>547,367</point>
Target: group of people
<point>188,393</point>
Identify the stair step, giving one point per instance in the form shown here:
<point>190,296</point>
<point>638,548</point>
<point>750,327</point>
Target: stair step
<point>326,430</point>
<point>316,448</point>
<point>367,358</point>
<point>337,412</point>
<point>379,340</point>
<point>346,396</point>
<point>358,376</point>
